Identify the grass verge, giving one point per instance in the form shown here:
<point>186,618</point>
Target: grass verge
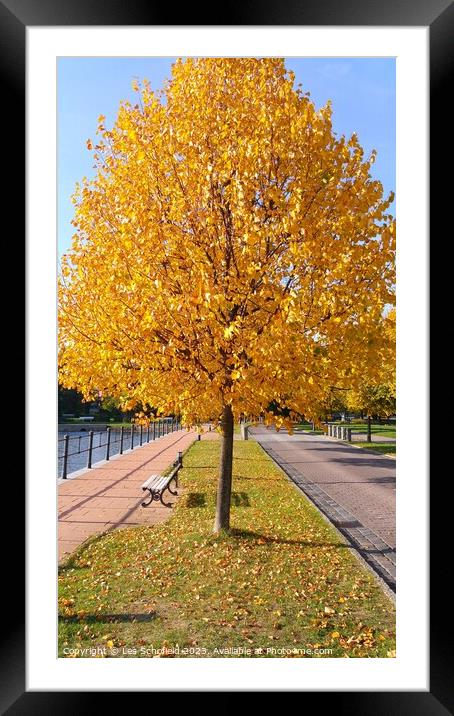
<point>385,431</point>
<point>281,580</point>
<point>383,448</point>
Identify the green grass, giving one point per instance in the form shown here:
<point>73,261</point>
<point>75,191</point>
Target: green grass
<point>282,579</point>
<point>385,431</point>
<point>385,448</point>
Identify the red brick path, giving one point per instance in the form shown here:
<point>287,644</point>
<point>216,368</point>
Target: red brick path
<point>109,496</point>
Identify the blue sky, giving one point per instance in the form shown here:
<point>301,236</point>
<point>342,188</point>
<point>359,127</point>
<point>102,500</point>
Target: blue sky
<point>362,91</point>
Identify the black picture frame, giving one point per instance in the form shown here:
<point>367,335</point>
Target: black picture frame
<point>15,17</point>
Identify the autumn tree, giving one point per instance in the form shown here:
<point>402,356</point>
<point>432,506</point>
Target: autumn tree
<point>375,393</point>
<point>230,254</point>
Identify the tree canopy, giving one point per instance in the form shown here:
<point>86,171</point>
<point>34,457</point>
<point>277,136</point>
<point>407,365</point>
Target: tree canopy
<point>375,394</point>
<point>231,250</point>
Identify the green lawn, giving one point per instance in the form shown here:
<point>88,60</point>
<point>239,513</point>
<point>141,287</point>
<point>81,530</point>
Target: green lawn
<point>283,579</point>
<point>386,448</point>
<point>385,431</point>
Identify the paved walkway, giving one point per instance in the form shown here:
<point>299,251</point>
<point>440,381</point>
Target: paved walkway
<point>354,489</point>
<point>109,496</point>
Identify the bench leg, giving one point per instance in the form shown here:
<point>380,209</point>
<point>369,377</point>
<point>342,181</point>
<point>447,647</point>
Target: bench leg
<point>145,504</point>
<point>172,492</point>
<point>166,504</point>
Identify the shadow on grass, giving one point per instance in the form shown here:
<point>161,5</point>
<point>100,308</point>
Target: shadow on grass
<point>109,618</point>
<point>240,499</point>
<point>196,499</point>
<point>266,539</point>
<point>199,499</point>
<point>275,478</point>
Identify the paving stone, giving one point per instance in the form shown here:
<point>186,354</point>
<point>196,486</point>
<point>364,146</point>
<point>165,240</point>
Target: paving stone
<point>356,491</point>
<point>110,496</point>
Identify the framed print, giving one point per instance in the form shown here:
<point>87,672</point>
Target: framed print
<point>260,587</point>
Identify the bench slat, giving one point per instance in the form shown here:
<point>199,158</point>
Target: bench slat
<point>156,482</point>
<point>149,480</point>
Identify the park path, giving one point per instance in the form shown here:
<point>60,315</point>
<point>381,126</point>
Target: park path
<point>355,489</point>
<point>109,496</point>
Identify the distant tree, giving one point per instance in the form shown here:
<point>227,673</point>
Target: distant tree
<point>110,408</point>
<point>376,397</point>
<point>71,402</point>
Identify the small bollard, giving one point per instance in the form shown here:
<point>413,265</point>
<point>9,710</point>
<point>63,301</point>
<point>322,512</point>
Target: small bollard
<point>108,444</point>
<point>90,448</point>
<point>199,436</point>
<point>65,456</point>
<point>349,435</point>
<point>244,431</point>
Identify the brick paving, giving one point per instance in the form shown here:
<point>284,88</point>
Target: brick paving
<point>109,496</point>
<point>354,489</point>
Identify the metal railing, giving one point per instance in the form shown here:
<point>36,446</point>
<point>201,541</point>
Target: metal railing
<point>126,439</point>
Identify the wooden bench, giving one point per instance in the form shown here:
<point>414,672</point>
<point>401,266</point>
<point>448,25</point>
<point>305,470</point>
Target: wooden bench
<point>157,484</point>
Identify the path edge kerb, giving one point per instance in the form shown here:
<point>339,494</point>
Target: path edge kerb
<point>387,588</point>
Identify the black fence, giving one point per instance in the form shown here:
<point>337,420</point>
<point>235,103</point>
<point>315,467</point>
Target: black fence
<point>76,452</point>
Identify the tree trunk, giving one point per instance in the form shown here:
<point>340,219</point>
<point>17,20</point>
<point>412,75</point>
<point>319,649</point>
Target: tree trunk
<point>369,430</point>
<point>222,520</point>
